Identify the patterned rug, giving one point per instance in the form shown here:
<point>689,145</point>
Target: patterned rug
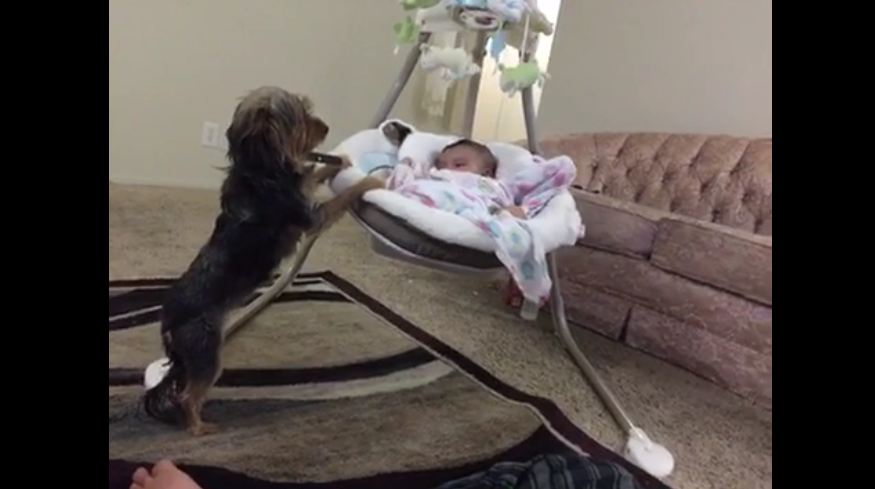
<point>329,389</point>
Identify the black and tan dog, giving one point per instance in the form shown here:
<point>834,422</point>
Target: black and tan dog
<point>267,206</point>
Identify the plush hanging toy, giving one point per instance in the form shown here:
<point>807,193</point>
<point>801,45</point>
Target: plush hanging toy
<point>473,4</point>
<point>520,77</point>
<point>454,63</point>
<point>417,4</point>
<point>497,45</point>
<point>509,10</point>
<point>406,32</point>
<point>498,42</point>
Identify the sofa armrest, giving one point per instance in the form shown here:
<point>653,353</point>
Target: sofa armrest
<point>729,259</point>
<point>617,226</point>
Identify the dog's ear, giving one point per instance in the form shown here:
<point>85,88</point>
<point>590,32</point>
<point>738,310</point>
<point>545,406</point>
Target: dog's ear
<point>255,136</point>
<point>273,127</point>
<point>396,132</point>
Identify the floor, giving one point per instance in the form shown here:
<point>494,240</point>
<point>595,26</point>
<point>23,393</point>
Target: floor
<point>719,440</point>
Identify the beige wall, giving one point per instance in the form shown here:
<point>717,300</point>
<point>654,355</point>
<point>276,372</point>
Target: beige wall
<point>701,66</point>
<point>625,65</point>
<point>177,63</point>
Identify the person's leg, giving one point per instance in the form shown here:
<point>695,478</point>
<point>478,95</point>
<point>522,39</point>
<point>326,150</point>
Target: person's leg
<point>164,475</point>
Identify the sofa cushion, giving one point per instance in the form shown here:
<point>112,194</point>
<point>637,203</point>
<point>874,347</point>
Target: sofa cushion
<point>617,226</point>
<point>723,314</point>
<point>598,311</point>
<point>728,259</point>
<point>741,369</point>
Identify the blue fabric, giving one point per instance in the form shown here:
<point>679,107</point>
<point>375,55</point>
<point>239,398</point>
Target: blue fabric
<point>370,162</point>
<point>479,4</point>
<point>499,42</point>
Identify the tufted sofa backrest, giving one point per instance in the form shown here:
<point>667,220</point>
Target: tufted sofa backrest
<point>720,179</point>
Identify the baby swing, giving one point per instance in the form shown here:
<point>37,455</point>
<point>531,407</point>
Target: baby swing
<point>404,237</point>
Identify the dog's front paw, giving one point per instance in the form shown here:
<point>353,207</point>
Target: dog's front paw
<point>345,162</point>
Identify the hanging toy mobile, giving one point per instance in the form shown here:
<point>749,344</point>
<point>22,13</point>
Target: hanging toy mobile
<point>520,77</point>
<point>418,4</point>
<point>492,15</point>
<point>406,32</point>
<point>523,75</point>
<point>453,63</point>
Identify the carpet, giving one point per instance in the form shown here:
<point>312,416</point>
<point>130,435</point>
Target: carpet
<point>329,388</point>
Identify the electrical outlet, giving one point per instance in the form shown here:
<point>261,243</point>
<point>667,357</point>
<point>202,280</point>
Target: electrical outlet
<point>210,135</point>
<point>222,141</point>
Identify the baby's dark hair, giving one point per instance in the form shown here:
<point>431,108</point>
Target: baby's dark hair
<point>482,149</point>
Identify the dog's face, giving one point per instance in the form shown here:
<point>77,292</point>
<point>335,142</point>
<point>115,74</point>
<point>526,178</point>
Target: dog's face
<point>273,126</point>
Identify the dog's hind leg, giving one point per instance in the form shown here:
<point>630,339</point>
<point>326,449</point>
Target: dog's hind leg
<point>199,343</point>
<point>192,403</point>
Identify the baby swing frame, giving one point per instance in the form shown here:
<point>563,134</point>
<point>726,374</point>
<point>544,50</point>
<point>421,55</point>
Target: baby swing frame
<point>557,305</point>
<point>639,449</point>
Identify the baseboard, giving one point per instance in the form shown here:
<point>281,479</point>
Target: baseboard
<point>165,182</point>
<point>322,193</point>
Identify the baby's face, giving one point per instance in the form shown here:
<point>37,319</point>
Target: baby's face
<point>463,158</point>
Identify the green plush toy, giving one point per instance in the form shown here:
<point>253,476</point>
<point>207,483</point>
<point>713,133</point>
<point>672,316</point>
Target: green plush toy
<point>415,4</point>
<point>406,32</point>
<point>520,77</point>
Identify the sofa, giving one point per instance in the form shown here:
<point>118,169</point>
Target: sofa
<point>677,256</point>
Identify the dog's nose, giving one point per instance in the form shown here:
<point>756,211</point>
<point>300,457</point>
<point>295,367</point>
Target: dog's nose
<point>323,128</point>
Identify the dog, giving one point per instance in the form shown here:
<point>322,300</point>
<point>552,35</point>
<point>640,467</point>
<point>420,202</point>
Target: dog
<point>266,207</point>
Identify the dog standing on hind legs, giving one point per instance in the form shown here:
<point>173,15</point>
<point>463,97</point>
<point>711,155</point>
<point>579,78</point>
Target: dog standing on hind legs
<point>266,207</point>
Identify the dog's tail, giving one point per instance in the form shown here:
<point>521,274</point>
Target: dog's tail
<point>162,401</point>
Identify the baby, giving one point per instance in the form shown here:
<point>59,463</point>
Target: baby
<point>468,156</point>
<point>467,164</point>
<point>463,181</point>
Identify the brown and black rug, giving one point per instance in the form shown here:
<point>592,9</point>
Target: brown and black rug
<point>328,389</point>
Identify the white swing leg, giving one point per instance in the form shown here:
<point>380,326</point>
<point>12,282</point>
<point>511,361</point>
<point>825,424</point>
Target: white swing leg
<point>557,304</point>
<point>639,449</point>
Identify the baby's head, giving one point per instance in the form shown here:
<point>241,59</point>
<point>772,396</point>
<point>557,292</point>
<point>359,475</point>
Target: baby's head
<point>468,156</point>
